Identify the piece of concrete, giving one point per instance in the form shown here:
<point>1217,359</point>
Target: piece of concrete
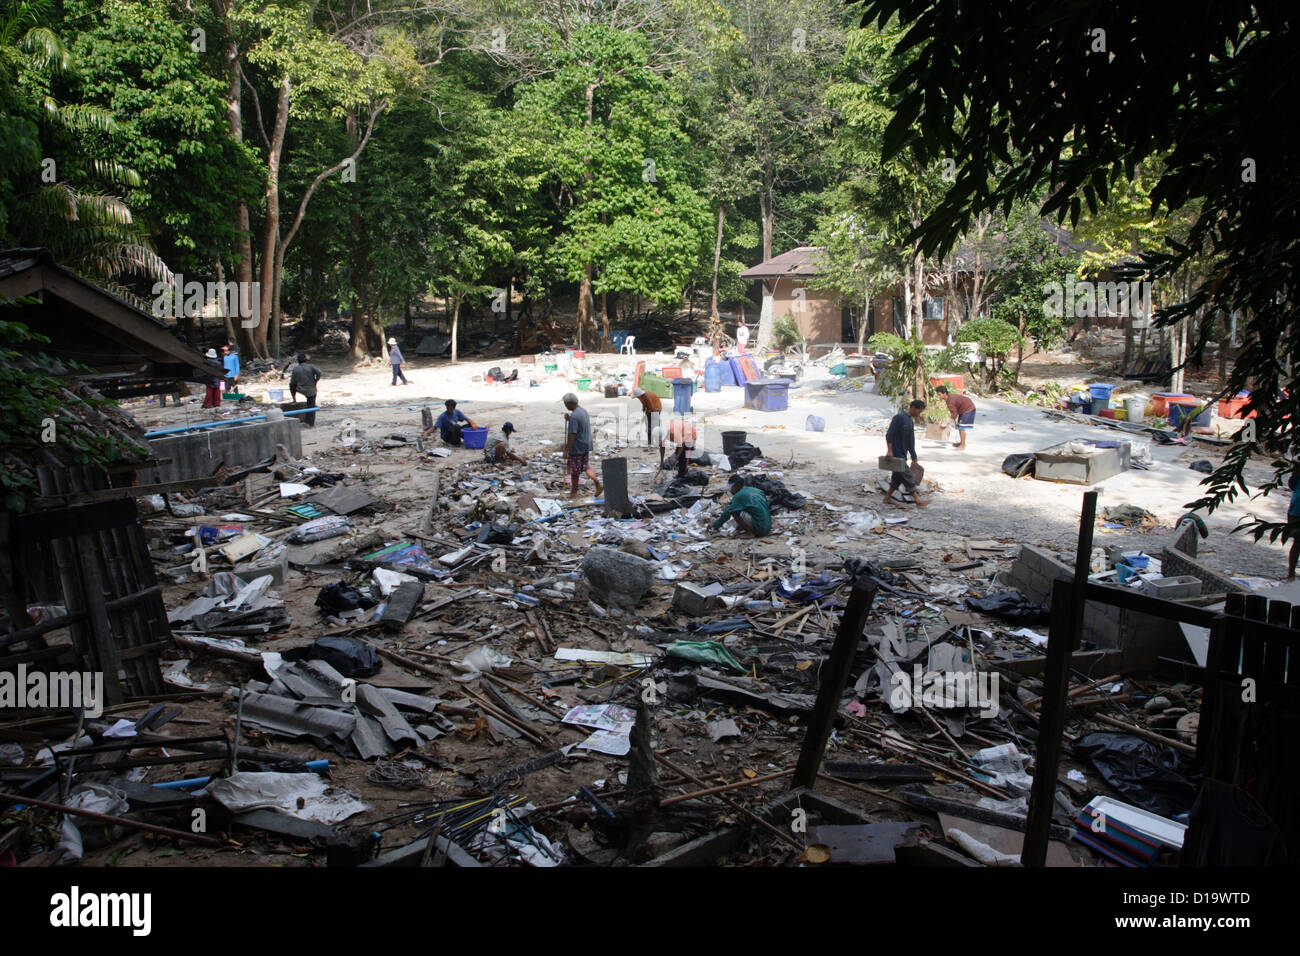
<point>198,453</point>
<point>616,578</point>
<point>1175,588</point>
<point>696,599</point>
<point>1177,564</point>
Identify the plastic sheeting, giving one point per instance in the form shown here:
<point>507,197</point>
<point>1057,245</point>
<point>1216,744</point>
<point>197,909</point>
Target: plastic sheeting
<point>1153,776</point>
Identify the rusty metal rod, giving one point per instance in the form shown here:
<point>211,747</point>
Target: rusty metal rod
<point>105,818</point>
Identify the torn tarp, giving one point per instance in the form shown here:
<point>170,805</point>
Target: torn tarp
<point>1154,776</point>
<point>1010,606</point>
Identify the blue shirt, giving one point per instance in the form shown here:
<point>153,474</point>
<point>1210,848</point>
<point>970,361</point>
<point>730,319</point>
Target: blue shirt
<point>902,436</point>
<point>1294,510</point>
<point>447,421</point>
<point>580,429</point>
<point>395,356</point>
<point>231,362</point>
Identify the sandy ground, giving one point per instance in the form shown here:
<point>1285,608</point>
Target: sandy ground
<point>973,497</point>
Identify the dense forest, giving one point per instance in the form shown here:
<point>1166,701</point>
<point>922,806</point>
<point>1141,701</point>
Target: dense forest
<point>631,156</point>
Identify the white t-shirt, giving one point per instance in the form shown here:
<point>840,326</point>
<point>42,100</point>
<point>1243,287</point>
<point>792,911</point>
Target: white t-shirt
<point>742,334</point>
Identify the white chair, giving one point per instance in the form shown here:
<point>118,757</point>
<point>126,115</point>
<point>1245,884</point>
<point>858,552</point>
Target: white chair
<point>629,345</point>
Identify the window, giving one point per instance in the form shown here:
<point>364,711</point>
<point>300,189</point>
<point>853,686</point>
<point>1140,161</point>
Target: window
<point>933,309</point>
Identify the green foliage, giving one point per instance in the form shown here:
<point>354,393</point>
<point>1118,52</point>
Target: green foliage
<point>970,93</point>
<point>910,363</point>
<point>37,416</point>
<point>997,339</point>
<point>1034,264</point>
<point>786,332</point>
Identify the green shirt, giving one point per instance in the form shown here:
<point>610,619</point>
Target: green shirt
<point>753,502</point>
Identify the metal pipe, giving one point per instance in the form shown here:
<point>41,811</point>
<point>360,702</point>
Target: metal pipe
<point>233,421</point>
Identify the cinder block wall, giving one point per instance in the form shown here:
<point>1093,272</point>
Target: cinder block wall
<point>1142,638</point>
<point>199,453</point>
<point>1177,563</point>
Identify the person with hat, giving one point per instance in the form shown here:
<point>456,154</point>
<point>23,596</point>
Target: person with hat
<point>652,406</point>
<point>748,506</point>
<point>497,450</point>
<point>303,379</point>
<point>212,397</point>
<point>396,360</point>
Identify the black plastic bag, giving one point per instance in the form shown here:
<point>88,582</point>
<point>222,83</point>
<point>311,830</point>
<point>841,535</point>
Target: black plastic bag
<point>778,495</point>
<point>743,454</point>
<point>497,532</point>
<point>342,597</point>
<point>1017,466</point>
<point>860,566</point>
<point>1010,606</point>
<point>1153,776</point>
<point>347,655</point>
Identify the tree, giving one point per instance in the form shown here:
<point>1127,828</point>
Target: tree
<point>1072,97</point>
<point>1034,264</point>
<point>47,180</point>
<point>605,127</point>
<point>996,338</point>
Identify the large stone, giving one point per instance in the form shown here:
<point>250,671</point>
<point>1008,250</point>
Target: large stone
<point>617,579</point>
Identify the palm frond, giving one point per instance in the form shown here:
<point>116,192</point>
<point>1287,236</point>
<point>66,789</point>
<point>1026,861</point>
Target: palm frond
<point>48,48</point>
<point>85,117</point>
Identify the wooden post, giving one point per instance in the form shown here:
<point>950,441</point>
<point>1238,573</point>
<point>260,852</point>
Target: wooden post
<point>834,678</point>
<point>1063,637</point>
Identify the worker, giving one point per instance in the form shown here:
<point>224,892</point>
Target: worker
<point>578,444</point>
<point>652,406</point>
<point>230,359</point>
<point>396,360</point>
<point>212,396</point>
<point>900,440</point>
<point>682,434</point>
<point>303,379</point>
<point>449,424</point>
<point>497,450</point>
<point>749,507</point>
<point>962,410</point>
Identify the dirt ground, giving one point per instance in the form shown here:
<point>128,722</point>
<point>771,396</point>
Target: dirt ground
<point>835,468</point>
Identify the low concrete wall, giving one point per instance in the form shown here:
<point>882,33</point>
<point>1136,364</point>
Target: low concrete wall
<point>1177,563</point>
<point>199,453</point>
<point>1140,637</point>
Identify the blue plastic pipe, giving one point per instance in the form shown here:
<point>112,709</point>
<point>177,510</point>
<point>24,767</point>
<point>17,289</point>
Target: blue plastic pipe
<point>193,782</point>
<point>233,421</point>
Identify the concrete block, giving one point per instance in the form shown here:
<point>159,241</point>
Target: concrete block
<point>695,600</point>
<point>1175,588</point>
<point>1185,539</point>
<point>1177,564</point>
<point>277,570</point>
<point>199,453</point>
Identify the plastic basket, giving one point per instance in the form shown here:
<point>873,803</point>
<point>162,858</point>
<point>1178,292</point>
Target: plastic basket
<point>474,437</point>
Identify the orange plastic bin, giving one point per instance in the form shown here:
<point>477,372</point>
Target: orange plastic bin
<point>955,383</point>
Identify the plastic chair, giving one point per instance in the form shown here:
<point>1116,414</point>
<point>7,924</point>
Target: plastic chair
<point>628,346</point>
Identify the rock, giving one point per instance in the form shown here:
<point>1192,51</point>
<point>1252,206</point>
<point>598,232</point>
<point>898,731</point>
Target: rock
<point>618,579</point>
<point>1188,725</point>
<point>1156,704</point>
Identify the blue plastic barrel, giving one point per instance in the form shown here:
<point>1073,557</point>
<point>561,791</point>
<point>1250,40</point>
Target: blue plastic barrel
<point>1101,391</point>
<point>682,389</point>
<point>712,376</point>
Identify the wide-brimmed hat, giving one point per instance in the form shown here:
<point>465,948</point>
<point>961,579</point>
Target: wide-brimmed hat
<point>392,341</point>
<point>210,353</point>
<point>638,392</point>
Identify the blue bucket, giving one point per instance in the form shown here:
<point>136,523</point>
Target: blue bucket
<point>1180,410</point>
<point>1101,391</point>
<point>814,424</point>
<point>474,437</point>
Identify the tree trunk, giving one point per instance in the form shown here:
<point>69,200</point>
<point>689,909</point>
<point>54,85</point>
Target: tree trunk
<point>606,340</point>
<point>234,117</point>
<point>455,331</point>
<point>407,323</point>
<point>221,302</point>
<point>271,227</point>
<point>715,320</point>
<point>767,211</point>
<point>863,321</point>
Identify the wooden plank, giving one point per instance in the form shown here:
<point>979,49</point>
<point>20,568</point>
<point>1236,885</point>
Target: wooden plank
<point>125,491</point>
<point>1063,637</point>
<point>101,631</point>
<point>835,675</point>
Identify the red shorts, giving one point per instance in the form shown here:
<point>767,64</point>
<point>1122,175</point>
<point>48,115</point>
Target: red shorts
<point>577,465</point>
